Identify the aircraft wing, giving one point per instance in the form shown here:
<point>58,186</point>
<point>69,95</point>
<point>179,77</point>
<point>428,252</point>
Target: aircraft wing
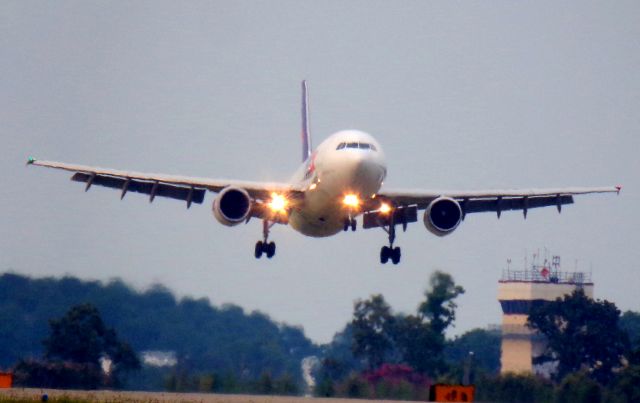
<point>189,189</point>
<point>488,200</point>
<point>407,202</point>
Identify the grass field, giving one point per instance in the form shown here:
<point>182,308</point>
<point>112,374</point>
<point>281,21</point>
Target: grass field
<point>79,396</point>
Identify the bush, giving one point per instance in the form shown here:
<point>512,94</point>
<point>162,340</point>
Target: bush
<point>579,388</point>
<point>515,388</point>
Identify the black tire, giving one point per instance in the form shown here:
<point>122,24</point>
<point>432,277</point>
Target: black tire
<point>346,225</point>
<point>395,255</point>
<point>353,224</point>
<point>270,249</point>
<point>258,250</point>
<point>384,254</point>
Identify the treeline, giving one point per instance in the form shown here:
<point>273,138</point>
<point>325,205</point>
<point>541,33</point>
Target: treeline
<point>380,354</point>
<point>204,338</point>
<point>383,354</point>
<point>58,333</point>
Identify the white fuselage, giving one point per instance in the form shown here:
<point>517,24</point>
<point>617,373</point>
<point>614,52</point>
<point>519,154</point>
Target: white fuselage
<point>349,162</point>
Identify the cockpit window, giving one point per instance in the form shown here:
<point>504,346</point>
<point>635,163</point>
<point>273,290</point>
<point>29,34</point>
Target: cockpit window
<point>361,146</point>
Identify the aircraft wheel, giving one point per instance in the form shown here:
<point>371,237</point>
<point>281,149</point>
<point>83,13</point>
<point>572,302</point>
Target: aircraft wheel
<point>270,249</point>
<point>395,255</point>
<point>346,224</point>
<point>353,224</point>
<point>258,250</point>
<point>384,254</point>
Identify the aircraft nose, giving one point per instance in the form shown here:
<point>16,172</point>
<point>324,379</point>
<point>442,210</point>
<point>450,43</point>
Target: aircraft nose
<point>368,171</point>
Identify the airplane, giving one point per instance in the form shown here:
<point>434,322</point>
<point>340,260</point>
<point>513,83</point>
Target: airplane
<point>338,181</point>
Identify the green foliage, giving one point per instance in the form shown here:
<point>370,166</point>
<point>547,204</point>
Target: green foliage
<point>580,333</point>
<point>485,346</point>
<point>514,388</point>
<point>65,375</point>
<point>439,308</point>
<point>354,387</point>
<point>420,346</point>
<point>266,384</point>
<point>205,338</point>
<point>630,323</point>
<point>74,349</point>
<point>626,387</point>
<point>82,337</point>
<point>373,330</point>
<point>418,340</point>
<point>578,388</point>
<point>421,338</point>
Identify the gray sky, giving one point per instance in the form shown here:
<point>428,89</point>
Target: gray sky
<point>461,95</point>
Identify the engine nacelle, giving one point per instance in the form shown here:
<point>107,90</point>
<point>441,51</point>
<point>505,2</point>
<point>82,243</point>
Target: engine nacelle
<point>442,216</point>
<point>232,206</point>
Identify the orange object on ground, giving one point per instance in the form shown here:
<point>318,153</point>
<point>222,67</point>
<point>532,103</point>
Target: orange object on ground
<point>452,393</point>
<point>6,380</point>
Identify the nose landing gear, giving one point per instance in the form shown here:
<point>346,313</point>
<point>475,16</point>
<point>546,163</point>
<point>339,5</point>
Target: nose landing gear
<point>350,222</point>
<point>264,246</point>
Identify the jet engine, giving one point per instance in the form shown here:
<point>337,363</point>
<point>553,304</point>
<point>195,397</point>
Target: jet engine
<point>232,206</point>
<point>442,216</point>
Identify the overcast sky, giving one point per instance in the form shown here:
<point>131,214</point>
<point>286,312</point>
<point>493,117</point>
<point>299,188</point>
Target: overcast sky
<point>461,95</point>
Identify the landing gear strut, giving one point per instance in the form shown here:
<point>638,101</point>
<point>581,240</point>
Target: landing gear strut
<point>264,246</point>
<point>350,222</point>
<point>389,252</point>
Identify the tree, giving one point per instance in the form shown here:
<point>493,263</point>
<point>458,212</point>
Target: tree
<point>373,327</point>
<point>630,322</point>
<point>440,308</point>
<point>581,334</point>
<point>419,345</point>
<point>81,336</point>
<point>224,339</point>
<point>418,340</point>
<point>79,352</point>
<point>482,344</point>
<point>421,338</point>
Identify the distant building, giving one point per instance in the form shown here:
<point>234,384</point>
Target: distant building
<point>159,358</point>
<point>518,290</point>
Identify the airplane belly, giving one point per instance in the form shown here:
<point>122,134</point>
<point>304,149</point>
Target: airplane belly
<point>315,225</point>
<point>319,216</point>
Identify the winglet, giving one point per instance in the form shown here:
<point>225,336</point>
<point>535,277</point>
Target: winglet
<point>618,188</point>
<point>31,160</point>
<point>306,135</point>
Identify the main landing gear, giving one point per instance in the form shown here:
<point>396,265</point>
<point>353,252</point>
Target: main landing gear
<point>389,252</point>
<point>264,246</point>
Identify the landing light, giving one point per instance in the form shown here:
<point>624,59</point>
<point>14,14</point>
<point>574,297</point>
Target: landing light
<point>278,203</point>
<point>385,208</point>
<point>351,200</point>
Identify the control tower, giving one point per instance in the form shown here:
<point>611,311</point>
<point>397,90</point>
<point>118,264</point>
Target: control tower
<point>518,290</point>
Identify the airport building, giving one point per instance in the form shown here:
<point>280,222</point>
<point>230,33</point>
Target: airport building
<point>518,290</point>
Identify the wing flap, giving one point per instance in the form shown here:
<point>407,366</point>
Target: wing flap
<point>153,189</point>
<point>519,203</point>
<point>481,200</point>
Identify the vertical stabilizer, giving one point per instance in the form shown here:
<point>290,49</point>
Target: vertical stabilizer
<point>306,135</point>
